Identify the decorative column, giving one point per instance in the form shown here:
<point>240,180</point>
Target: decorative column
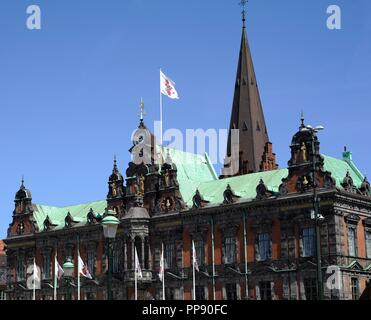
<point>132,253</point>
<point>142,239</point>
<point>125,254</point>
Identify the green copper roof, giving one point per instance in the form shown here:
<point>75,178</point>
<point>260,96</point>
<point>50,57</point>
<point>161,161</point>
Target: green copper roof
<point>57,215</point>
<point>193,169</point>
<point>243,186</point>
<point>339,169</point>
<point>196,172</point>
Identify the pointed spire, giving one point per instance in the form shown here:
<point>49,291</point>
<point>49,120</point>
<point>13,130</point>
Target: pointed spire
<point>22,182</point>
<point>247,112</point>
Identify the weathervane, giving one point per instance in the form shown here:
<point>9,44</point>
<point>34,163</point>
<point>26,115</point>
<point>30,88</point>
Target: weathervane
<point>142,112</point>
<point>243,4</point>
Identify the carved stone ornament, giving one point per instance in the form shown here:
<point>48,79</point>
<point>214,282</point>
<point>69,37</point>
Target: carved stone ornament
<point>365,187</point>
<point>304,183</point>
<point>20,228</point>
<point>283,188</point>
<point>262,191</point>
<point>330,182</point>
<point>90,218</point>
<point>229,196</point>
<point>198,201</point>
<point>348,183</point>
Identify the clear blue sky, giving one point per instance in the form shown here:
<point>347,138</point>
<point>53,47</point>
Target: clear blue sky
<point>69,93</point>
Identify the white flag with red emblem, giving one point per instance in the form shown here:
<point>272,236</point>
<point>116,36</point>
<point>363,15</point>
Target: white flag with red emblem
<point>195,263</point>
<point>168,87</point>
<point>138,269</point>
<point>83,269</point>
<point>58,270</point>
<point>162,266</point>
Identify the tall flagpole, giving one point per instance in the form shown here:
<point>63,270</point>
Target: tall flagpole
<point>163,273</point>
<point>194,273</point>
<point>135,276</point>
<point>78,268</point>
<point>161,111</point>
<point>55,275</point>
<point>34,279</point>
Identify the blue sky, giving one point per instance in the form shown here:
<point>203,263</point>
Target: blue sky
<point>69,93</point>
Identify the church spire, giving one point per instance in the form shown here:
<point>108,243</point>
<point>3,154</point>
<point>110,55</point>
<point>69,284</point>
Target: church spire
<point>247,115</point>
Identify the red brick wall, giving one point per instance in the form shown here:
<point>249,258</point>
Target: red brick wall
<point>186,248</point>
<point>218,245</point>
<point>250,242</point>
<point>240,245</point>
<point>361,241</point>
<point>276,240</point>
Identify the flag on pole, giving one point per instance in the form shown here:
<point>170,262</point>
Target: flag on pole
<point>34,281</point>
<point>58,270</point>
<point>195,263</point>
<point>162,266</point>
<point>168,87</point>
<point>83,269</point>
<point>138,270</point>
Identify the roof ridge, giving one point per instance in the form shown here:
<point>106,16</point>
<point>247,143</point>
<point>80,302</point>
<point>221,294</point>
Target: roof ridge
<point>69,206</point>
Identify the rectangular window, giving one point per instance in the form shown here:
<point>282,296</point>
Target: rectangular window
<point>368,243</point>
<point>265,290</point>
<point>264,246</point>
<point>20,268</point>
<point>352,244</point>
<point>169,255</point>
<point>46,267</point>
<point>355,289</point>
<point>230,250</point>
<point>116,259</point>
<point>200,251</point>
<point>200,293</point>
<point>310,286</point>
<point>231,291</point>
<point>308,242</point>
<point>91,262</point>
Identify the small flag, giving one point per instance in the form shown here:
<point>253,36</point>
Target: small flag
<point>34,280</point>
<point>138,269</point>
<point>168,87</point>
<point>83,269</point>
<point>162,267</point>
<point>58,270</point>
<point>195,263</point>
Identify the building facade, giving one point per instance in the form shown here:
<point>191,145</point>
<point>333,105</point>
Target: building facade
<point>3,266</point>
<point>253,228</point>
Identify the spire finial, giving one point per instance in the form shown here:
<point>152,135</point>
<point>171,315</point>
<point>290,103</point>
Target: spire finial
<point>243,4</point>
<point>142,112</point>
<point>302,119</point>
<point>115,169</point>
<point>22,184</point>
